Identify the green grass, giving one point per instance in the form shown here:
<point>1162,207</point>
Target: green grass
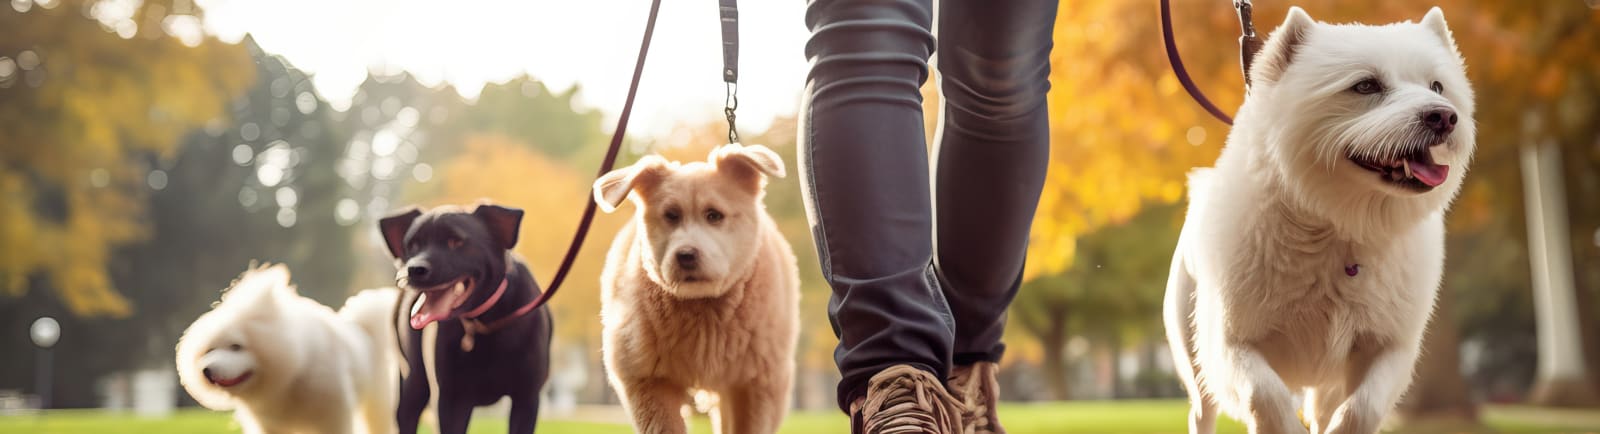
<point>1098,417</point>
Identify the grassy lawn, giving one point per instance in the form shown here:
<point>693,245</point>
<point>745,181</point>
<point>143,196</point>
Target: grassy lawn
<point>1131,417</point>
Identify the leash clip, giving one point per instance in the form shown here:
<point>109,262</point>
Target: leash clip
<point>729,104</point>
<point>730,63</point>
<point>1249,44</point>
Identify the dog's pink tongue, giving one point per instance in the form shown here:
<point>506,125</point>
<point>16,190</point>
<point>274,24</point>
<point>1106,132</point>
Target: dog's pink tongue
<point>1430,174</point>
<point>435,306</point>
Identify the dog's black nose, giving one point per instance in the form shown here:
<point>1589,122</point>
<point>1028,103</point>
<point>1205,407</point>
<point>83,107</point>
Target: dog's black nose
<point>1441,121</point>
<point>688,258</point>
<point>206,372</point>
<point>417,271</point>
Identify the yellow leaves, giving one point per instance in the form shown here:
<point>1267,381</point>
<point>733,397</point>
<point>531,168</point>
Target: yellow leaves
<point>18,230</point>
<point>1171,191</point>
<point>1168,85</point>
<point>1120,120</point>
<point>1122,125</point>
<point>95,103</point>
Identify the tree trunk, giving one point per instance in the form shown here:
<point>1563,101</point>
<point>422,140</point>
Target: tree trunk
<point>1439,395</point>
<point>1589,328</point>
<point>1114,339</point>
<point>1056,374</point>
<point>1562,379</point>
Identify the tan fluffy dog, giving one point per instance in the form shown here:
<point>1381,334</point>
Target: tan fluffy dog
<point>699,292</point>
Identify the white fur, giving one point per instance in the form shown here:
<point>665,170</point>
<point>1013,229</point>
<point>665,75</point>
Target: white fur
<point>1258,300</point>
<point>312,370</point>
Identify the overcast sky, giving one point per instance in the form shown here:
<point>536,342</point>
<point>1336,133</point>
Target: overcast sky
<point>588,42</point>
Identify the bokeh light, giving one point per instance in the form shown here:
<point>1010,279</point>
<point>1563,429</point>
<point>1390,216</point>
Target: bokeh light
<point>286,217</point>
<point>157,179</point>
<point>287,197</point>
<point>347,212</point>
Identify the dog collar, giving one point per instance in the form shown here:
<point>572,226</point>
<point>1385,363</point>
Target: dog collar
<point>1352,269</point>
<point>487,303</point>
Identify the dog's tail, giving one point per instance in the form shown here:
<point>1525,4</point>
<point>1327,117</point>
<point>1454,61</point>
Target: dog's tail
<point>370,310</point>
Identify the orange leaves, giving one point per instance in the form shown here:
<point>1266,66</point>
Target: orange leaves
<point>1120,122</point>
<point>1124,130</point>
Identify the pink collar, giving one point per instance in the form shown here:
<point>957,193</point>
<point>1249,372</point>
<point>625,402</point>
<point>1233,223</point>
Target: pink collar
<point>487,303</point>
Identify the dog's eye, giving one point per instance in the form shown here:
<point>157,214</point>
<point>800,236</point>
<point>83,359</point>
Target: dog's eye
<point>714,216</point>
<point>672,215</point>
<point>454,243</point>
<point>235,347</point>
<point>1367,87</point>
<point>1437,88</point>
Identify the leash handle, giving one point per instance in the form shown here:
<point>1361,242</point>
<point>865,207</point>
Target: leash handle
<point>1180,71</point>
<point>729,10</point>
<point>605,166</point>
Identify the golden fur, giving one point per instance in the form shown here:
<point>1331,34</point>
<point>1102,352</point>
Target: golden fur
<point>728,326</point>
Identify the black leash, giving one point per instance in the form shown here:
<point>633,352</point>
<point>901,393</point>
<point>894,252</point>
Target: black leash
<point>730,63</point>
<point>1249,44</point>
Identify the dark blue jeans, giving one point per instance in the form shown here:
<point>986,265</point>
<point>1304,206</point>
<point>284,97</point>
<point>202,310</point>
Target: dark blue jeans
<point>922,272</point>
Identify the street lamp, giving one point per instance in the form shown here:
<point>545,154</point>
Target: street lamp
<point>45,332</point>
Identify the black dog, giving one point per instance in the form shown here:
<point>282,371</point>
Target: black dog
<point>461,267</point>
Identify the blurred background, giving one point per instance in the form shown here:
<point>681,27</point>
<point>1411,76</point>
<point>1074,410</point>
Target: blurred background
<point>151,150</point>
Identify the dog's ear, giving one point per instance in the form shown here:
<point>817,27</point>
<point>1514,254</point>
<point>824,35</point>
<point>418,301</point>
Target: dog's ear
<point>1434,22</point>
<point>613,187</point>
<point>748,162</point>
<point>503,223</point>
<point>1281,46</point>
<point>394,229</point>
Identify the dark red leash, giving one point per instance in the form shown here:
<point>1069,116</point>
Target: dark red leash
<point>1249,44</point>
<point>605,166</point>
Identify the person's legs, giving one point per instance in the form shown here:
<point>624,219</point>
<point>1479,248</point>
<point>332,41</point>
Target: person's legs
<point>864,165</point>
<point>993,147</point>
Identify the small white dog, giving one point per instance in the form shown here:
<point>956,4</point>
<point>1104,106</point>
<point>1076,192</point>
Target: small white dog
<point>1312,252</point>
<point>700,293</point>
<point>287,364</point>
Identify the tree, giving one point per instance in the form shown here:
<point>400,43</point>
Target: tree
<point>1562,379</point>
<point>264,188</point>
<point>1119,142</point>
<point>83,107</point>
<point>526,110</point>
<point>1112,295</point>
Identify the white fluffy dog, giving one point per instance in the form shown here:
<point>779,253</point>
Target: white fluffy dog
<point>287,364</point>
<point>1312,252</point>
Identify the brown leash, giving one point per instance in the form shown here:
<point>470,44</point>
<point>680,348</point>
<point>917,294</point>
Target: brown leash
<point>474,326</point>
<point>605,166</point>
<point>1249,44</point>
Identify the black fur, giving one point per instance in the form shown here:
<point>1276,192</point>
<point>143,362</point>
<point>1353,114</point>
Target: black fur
<point>446,243</point>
